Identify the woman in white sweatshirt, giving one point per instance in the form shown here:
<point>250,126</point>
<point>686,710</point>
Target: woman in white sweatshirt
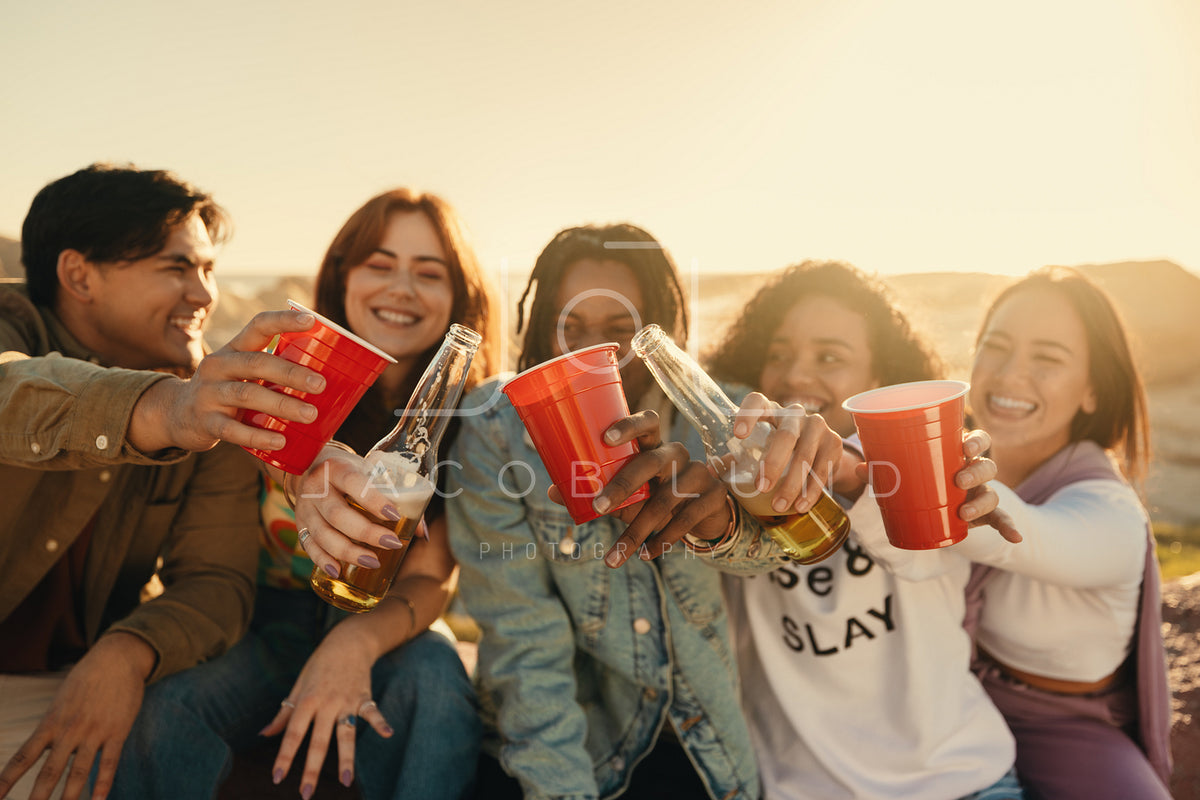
<point>855,672</point>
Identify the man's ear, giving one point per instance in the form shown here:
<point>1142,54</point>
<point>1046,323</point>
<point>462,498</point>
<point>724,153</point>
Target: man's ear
<point>76,275</point>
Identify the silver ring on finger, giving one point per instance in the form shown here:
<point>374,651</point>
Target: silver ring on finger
<point>366,705</point>
<point>349,720</point>
<point>304,534</point>
<point>285,703</point>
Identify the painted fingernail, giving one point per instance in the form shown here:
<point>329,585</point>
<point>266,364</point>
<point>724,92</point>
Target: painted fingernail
<point>387,730</point>
<point>347,777</point>
<point>601,504</point>
<point>390,542</point>
<point>306,791</point>
<point>369,561</point>
<point>333,570</point>
<point>277,776</point>
<point>611,436</point>
<point>390,512</point>
<point>316,383</point>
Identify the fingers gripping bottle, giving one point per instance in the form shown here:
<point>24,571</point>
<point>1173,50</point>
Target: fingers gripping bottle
<point>805,538</point>
<point>404,466</point>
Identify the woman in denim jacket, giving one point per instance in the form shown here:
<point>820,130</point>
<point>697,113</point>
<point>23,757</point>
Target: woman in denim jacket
<point>586,671</point>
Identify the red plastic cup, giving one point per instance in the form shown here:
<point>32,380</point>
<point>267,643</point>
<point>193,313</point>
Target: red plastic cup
<point>567,404</point>
<point>349,365</point>
<point>912,438</point>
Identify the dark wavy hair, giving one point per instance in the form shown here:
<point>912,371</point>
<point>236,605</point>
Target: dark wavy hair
<point>649,261</point>
<point>472,302</point>
<point>898,353</point>
<point>1120,423</point>
<point>109,214</point>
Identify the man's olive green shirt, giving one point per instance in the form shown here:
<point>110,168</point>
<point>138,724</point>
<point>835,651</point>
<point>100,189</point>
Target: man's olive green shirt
<point>64,460</point>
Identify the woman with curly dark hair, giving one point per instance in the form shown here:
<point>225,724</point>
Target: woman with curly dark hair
<point>840,661</point>
<point>819,332</point>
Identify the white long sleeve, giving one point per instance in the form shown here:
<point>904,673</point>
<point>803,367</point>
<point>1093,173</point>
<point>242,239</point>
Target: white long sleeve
<point>1066,598</point>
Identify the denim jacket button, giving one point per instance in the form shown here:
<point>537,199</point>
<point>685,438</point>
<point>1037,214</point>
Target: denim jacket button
<point>641,625</point>
<point>617,763</point>
<point>650,694</point>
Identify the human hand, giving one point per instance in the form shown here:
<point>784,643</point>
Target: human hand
<point>801,457</point>
<point>336,530</point>
<point>195,414</point>
<point>91,715</point>
<point>982,504</point>
<point>331,693</point>
<point>685,497</point>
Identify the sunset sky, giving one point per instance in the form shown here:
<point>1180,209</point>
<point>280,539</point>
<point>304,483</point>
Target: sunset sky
<point>909,136</point>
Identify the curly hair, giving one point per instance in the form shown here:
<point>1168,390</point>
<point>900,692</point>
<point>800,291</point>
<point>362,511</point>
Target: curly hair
<point>1120,423</point>
<point>630,245</point>
<point>898,353</point>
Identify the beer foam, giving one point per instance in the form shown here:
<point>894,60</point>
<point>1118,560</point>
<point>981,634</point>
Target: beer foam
<point>396,475</point>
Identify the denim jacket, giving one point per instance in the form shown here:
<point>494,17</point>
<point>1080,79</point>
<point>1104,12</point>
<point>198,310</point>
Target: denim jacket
<point>581,665</point>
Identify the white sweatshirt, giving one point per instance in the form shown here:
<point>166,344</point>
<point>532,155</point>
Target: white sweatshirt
<point>1065,604</point>
<point>855,674</point>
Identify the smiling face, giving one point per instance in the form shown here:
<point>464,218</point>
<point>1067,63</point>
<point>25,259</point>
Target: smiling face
<point>151,313</point>
<point>401,297</point>
<point>819,356</point>
<point>599,302</point>
<point>1030,379</point>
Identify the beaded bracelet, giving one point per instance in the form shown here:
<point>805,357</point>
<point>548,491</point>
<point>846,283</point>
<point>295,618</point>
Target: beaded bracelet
<point>709,545</point>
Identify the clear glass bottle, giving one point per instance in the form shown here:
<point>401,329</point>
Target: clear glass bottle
<point>806,538</point>
<point>404,466</point>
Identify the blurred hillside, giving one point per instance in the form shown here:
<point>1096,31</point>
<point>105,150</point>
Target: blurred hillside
<point>10,258</point>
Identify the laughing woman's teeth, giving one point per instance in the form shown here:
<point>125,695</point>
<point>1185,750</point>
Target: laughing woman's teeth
<point>1011,403</point>
<point>186,323</point>
<point>395,316</point>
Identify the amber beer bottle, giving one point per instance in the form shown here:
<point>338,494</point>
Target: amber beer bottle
<point>805,538</point>
<point>404,466</point>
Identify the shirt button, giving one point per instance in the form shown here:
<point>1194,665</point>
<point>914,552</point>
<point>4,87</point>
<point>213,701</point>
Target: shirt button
<point>102,442</point>
<point>51,545</point>
<point>104,476</point>
<point>36,448</point>
<point>641,625</point>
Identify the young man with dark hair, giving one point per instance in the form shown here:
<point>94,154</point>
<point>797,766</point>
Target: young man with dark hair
<point>101,489</point>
